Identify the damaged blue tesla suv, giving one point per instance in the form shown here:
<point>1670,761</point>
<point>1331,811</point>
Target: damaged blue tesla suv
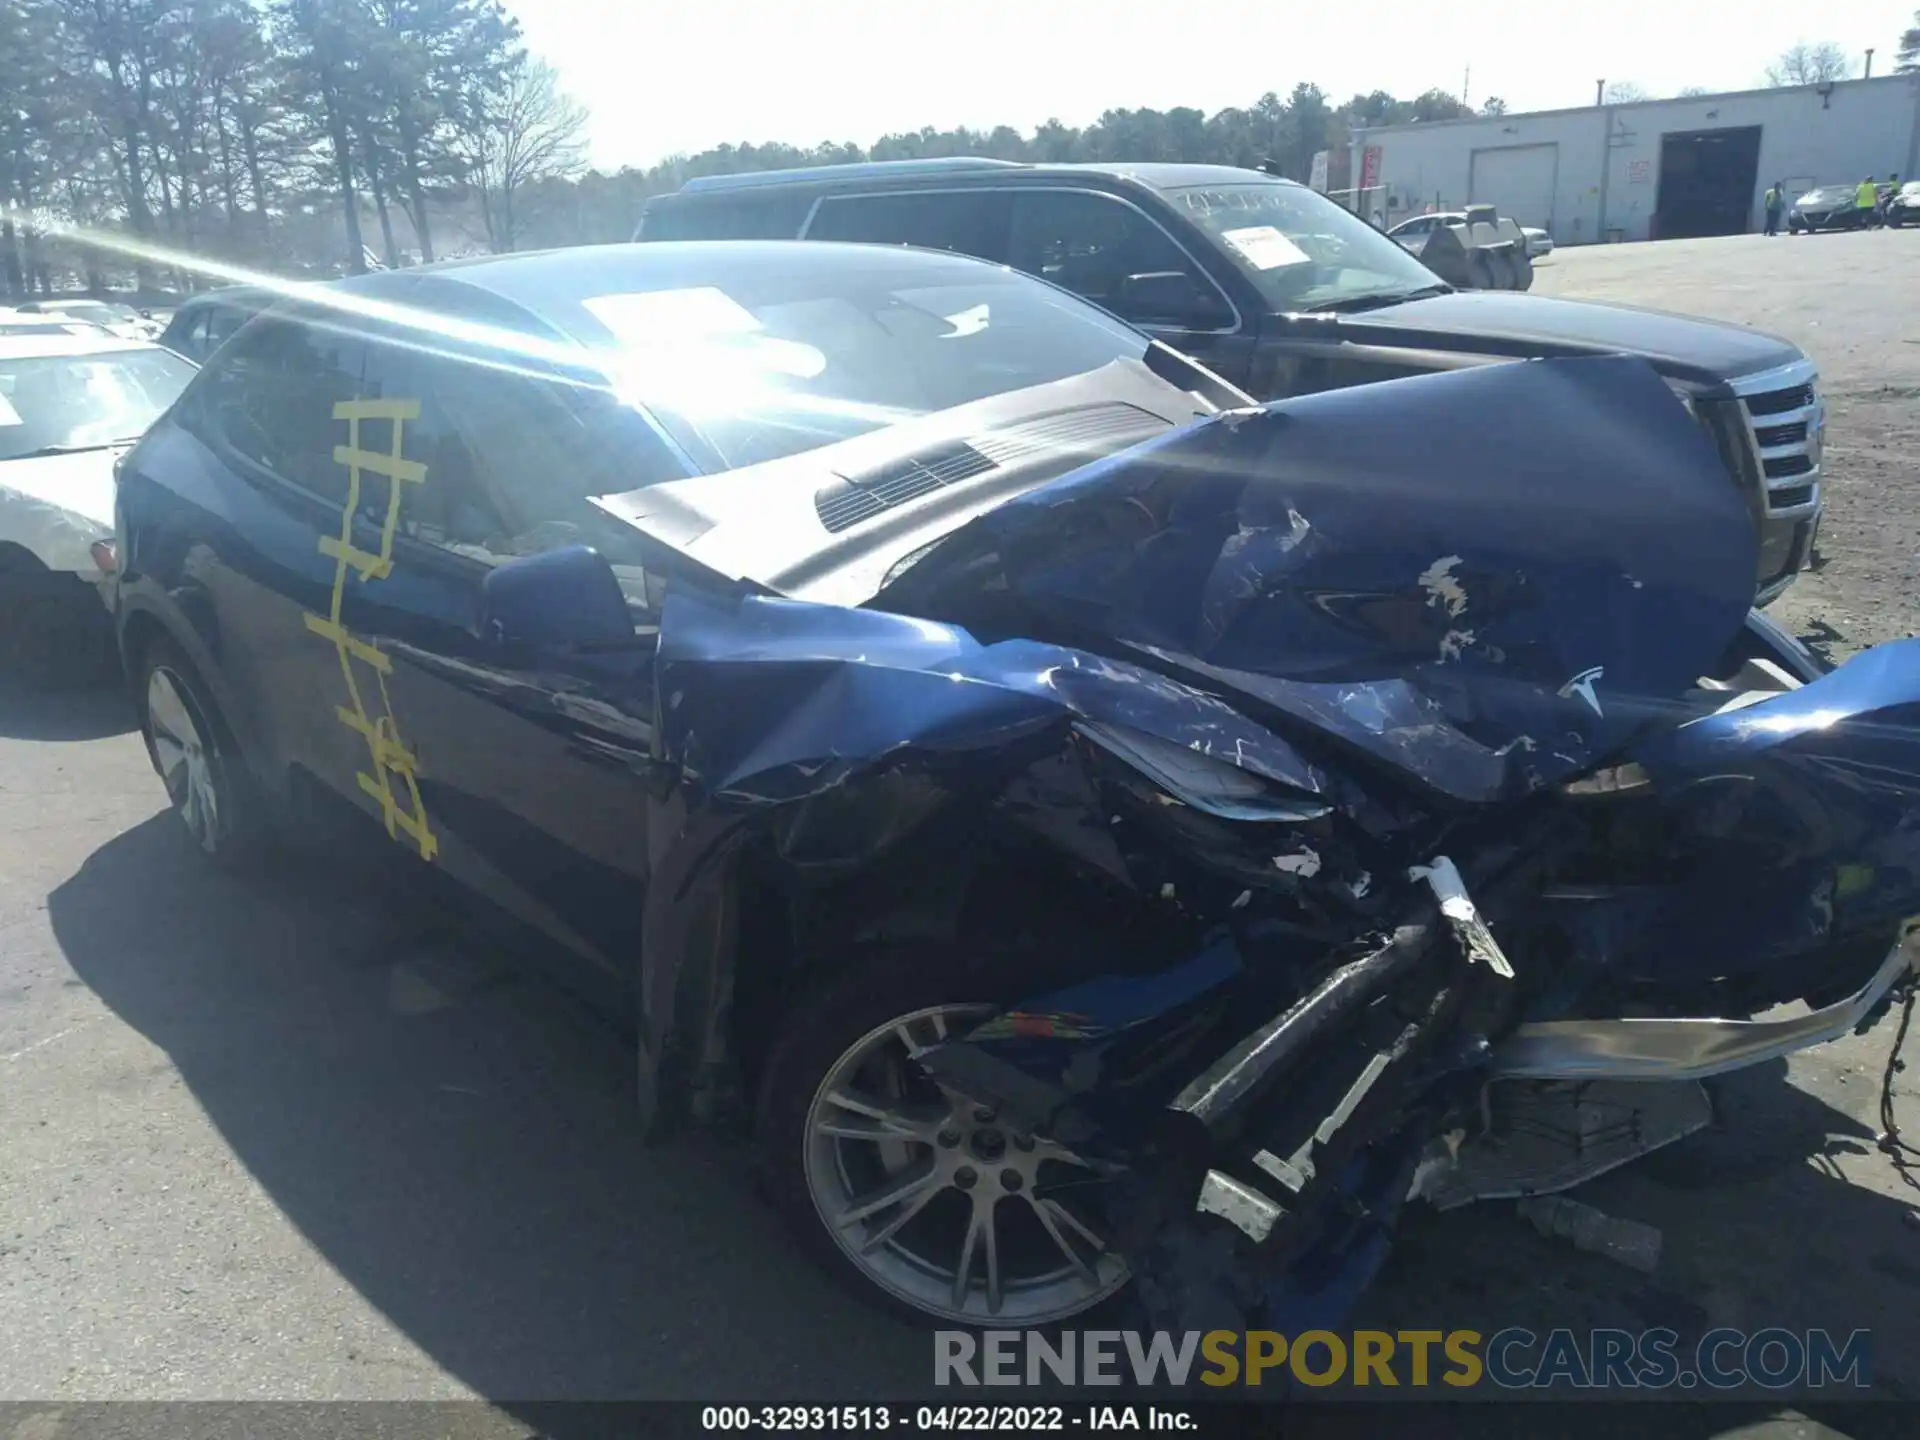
<point>1101,836</point>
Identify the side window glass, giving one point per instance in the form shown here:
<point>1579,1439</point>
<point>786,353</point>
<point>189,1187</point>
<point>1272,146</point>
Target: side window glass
<point>970,222</point>
<point>547,448</point>
<point>512,460</point>
<point>772,217</point>
<point>220,323</point>
<point>271,399</point>
<point>450,507</point>
<point>194,338</point>
<point>1114,256</point>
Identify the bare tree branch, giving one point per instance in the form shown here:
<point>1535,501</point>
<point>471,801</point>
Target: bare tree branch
<point>518,132</point>
<point>1808,64</point>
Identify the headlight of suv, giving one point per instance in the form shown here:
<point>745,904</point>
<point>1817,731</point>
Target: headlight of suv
<point>1199,780</point>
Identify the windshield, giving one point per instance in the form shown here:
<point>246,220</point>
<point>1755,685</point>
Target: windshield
<point>80,402</point>
<point>1300,248</point>
<point>782,360</point>
<point>1827,193</point>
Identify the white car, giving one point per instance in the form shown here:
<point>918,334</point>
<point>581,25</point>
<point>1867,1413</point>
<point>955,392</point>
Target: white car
<point>70,405</point>
<point>16,322</point>
<point>1412,233</point>
<point>115,316</point>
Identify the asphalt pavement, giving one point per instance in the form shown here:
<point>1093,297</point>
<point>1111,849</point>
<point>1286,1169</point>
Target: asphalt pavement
<point>284,1138</point>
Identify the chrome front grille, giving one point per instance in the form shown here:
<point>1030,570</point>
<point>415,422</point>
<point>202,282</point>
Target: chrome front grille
<point>1780,434</point>
<point>1772,402</point>
<point>1784,423</point>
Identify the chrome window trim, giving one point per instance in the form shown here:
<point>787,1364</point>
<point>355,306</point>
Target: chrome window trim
<point>1239,322</point>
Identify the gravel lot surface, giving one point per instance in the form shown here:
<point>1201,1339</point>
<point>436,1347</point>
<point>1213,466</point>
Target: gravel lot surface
<point>277,1139</point>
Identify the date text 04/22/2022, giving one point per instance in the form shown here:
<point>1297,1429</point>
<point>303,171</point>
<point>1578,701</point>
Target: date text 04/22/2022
<point>940,1418</point>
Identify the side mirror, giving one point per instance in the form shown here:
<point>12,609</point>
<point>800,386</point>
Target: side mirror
<point>557,602</point>
<point>1168,297</point>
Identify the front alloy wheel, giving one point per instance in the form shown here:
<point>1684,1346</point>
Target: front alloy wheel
<point>938,1202</point>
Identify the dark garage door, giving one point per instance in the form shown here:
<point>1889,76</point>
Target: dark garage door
<point>1707,182</point>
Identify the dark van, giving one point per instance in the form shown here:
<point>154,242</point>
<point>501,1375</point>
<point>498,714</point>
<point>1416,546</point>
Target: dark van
<point>1283,292</point>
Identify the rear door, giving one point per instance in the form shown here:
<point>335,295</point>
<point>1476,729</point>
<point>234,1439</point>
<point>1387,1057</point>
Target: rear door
<point>251,490</point>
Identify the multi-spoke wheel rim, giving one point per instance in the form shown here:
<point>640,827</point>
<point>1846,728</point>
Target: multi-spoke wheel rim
<point>181,752</point>
<point>941,1204</point>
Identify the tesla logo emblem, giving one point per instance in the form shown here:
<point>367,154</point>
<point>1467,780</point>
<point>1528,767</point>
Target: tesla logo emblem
<point>1582,685</point>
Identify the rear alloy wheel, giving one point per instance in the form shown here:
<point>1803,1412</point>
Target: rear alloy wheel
<point>205,780</point>
<point>924,1200</point>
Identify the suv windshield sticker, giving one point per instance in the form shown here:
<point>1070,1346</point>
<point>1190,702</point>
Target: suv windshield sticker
<point>640,317</point>
<point>700,336</point>
<point>970,321</point>
<point>1265,248</point>
<point>390,757</point>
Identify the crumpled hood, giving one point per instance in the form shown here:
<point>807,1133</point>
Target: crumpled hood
<point>57,505</point>
<point>1489,578</point>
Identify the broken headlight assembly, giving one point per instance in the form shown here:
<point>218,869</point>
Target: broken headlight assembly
<point>1194,778</point>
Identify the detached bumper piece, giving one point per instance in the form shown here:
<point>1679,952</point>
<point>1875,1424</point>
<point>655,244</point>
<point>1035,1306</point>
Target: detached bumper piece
<point>1686,1049</point>
<point>1305,1137</point>
<point>1316,1174</point>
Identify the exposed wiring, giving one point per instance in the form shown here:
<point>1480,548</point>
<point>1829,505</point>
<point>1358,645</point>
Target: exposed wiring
<point>1891,1145</point>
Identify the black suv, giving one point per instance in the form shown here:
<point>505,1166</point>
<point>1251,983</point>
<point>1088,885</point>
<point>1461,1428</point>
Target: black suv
<point>1283,292</point>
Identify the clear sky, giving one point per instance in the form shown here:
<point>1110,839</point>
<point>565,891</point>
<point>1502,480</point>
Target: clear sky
<point>661,78</point>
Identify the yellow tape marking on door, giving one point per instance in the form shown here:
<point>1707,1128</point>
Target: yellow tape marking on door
<point>388,754</point>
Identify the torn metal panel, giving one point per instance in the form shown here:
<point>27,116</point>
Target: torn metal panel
<point>1476,938</point>
<point>1541,1138</point>
<point>1239,1204</point>
<point>767,700</point>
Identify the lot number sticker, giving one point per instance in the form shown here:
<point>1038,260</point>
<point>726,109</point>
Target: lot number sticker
<point>1265,248</point>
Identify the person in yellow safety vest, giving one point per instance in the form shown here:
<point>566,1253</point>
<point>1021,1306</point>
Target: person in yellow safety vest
<point>1775,201</point>
<point>1867,199</point>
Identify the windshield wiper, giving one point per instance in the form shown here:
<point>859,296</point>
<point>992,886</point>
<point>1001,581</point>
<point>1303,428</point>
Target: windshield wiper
<point>1376,301</point>
<point>46,450</point>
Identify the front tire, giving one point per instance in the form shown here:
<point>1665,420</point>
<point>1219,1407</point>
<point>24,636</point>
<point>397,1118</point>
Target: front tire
<point>922,1202</point>
<point>194,753</point>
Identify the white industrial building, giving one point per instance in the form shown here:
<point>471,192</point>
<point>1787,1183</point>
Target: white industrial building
<point>1654,169</point>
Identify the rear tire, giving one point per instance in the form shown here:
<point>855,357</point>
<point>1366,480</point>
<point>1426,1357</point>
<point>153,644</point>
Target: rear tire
<point>193,750</point>
<point>966,1187</point>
